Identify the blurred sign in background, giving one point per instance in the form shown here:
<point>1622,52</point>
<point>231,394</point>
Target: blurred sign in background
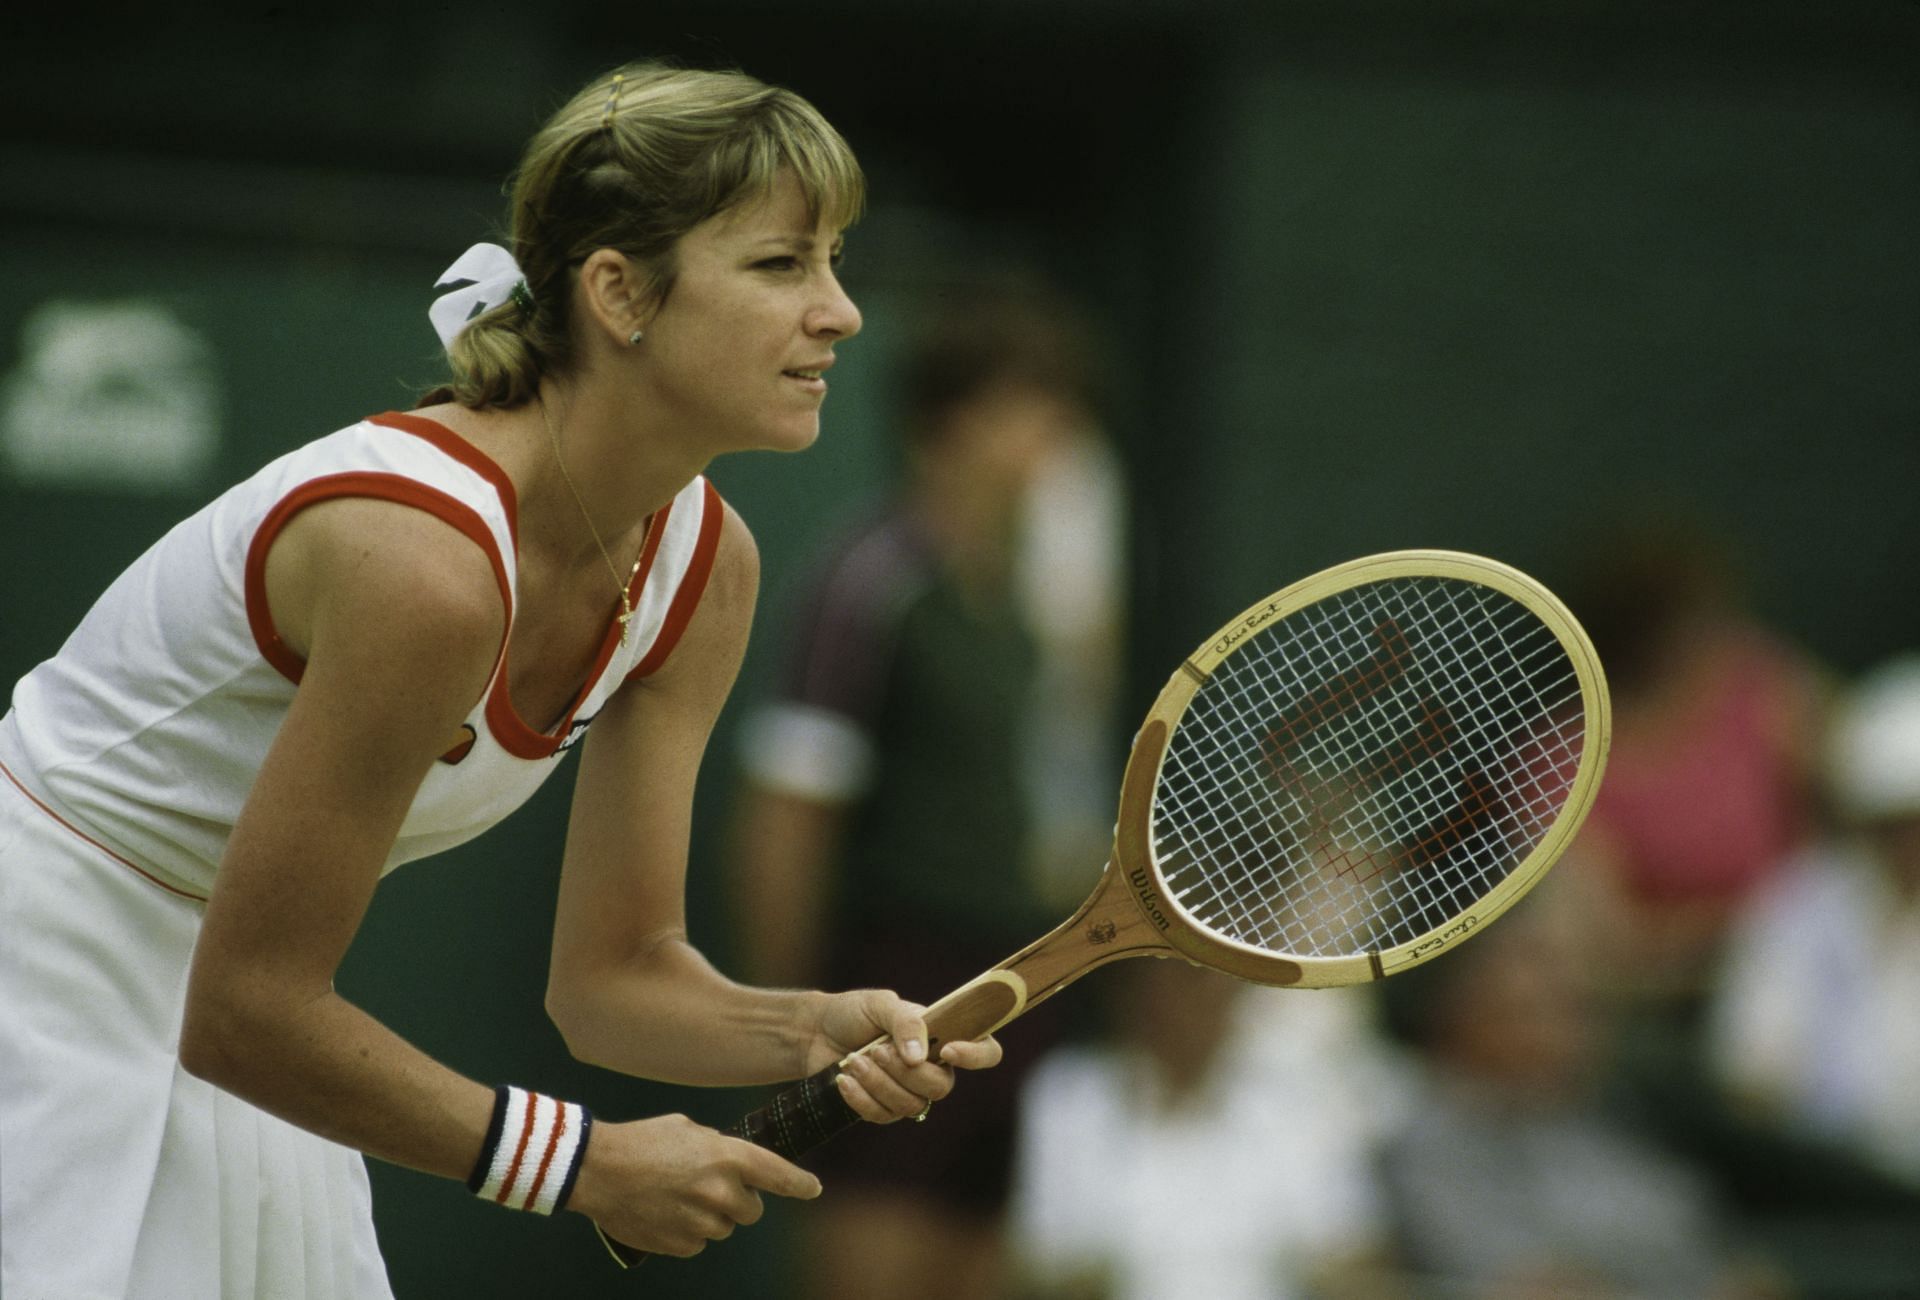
<point>1485,274</point>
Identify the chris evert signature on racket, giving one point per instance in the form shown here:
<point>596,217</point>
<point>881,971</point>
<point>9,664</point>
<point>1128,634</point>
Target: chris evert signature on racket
<point>1350,777</point>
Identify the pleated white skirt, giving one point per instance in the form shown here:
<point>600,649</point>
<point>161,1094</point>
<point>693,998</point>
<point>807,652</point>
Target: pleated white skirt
<point>121,1175</point>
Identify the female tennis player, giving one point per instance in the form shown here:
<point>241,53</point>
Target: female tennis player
<point>375,648</point>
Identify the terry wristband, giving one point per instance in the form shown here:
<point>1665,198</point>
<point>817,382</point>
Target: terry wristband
<point>533,1151</point>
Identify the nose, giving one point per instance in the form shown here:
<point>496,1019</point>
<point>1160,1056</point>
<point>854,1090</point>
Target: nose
<point>835,316</point>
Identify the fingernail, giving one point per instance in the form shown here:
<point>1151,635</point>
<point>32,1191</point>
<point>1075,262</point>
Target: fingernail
<point>915,1051</point>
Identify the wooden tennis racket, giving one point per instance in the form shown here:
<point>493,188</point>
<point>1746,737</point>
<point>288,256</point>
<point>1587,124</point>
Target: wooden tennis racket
<point>1349,778</point>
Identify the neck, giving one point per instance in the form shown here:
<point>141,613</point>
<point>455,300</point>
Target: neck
<point>594,476</point>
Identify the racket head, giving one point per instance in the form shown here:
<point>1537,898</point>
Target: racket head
<point>1362,770</point>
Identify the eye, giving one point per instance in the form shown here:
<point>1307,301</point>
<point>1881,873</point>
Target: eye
<point>784,262</point>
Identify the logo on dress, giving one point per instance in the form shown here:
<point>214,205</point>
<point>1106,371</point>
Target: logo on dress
<point>574,732</point>
<point>460,750</point>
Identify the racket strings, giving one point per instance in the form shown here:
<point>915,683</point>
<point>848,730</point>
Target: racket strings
<point>1359,772</point>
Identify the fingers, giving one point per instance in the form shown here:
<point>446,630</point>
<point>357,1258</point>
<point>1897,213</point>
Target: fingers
<point>669,1185</point>
<point>907,1026</point>
<point>882,1088</point>
<point>770,1172</point>
<point>894,1079</point>
<point>981,1054</point>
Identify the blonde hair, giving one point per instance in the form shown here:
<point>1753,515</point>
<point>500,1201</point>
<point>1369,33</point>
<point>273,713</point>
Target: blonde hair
<point>635,160</point>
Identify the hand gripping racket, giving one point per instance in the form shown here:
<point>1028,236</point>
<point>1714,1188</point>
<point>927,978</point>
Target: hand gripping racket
<point>1349,778</point>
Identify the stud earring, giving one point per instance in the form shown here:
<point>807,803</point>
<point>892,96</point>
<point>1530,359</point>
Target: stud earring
<point>634,338</point>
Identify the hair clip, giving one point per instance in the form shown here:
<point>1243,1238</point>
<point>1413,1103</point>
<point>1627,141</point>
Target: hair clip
<point>522,297</point>
<point>613,101</point>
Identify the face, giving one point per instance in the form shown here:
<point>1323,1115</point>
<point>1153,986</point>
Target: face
<point>737,355</point>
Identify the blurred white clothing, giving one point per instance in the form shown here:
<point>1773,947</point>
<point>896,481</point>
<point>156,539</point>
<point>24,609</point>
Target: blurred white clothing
<point>1236,1193</point>
<point>1817,1010</point>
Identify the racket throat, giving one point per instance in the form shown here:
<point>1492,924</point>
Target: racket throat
<point>1110,925</point>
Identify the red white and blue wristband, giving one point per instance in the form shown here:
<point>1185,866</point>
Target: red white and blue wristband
<point>534,1149</point>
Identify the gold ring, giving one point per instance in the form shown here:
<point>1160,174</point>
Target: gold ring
<point>925,1110</point>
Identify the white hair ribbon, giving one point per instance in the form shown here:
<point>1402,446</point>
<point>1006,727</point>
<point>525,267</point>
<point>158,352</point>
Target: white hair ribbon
<point>481,279</point>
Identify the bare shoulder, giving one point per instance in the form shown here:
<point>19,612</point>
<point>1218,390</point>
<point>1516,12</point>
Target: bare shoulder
<point>365,559</point>
<point>736,565</point>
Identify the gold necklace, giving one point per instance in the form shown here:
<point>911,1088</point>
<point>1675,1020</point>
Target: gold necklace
<point>621,585</point>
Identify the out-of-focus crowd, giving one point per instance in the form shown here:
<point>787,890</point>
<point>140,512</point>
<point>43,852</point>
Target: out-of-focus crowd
<point>1687,1065</point>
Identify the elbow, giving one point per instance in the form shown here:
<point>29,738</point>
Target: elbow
<point>603,1002</point>
<point>572,1014</point>
<point>235,1032</point>
<point>211,1035</point>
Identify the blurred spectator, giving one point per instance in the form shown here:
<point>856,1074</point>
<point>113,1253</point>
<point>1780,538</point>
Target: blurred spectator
<point>889,821</point>
<point>1708,785</point>
<point>1816,1024</point>
<point>1221,1146</point>
<point>1509,1179</point>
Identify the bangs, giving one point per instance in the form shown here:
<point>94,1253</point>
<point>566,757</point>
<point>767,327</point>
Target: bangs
<point>787,132</point>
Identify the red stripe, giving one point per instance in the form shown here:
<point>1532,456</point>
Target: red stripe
<point>514,733</point>
<point>75,830</point>
<point>687,599</point>
<point>385,487</point>
<point>466,453</point>
<point>546,1157</point>
<point>519,1150</point>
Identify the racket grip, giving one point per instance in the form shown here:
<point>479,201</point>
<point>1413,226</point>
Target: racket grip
<point>807,1115</point>
<point>797,1120</point>
<point>812,1112</point>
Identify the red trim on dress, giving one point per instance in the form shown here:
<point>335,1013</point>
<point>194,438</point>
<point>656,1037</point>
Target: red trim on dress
<point>509,728</point>
<point>458,448</point>
<point>130,865</point>
<point>692,587</point>
<point>385,487</point>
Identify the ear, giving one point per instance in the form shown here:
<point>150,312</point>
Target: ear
<point>615,294</point>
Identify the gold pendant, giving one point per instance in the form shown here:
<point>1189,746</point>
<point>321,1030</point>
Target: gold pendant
<point>626,615</point>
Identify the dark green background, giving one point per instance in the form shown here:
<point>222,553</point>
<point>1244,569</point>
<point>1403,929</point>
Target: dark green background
<point>1374,274</point>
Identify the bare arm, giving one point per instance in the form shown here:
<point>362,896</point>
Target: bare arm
<point>627,989</point>
<point>398,649</point>
<point>400,622</point>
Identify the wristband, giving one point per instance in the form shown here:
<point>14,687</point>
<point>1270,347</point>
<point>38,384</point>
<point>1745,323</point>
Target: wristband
<point>533,1151</point>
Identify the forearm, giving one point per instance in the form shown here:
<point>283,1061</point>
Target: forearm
<point>330,1068</point>
<point>666,1013</point>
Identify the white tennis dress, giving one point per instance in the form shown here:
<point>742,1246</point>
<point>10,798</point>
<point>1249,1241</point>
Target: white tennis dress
<point>124,763</point>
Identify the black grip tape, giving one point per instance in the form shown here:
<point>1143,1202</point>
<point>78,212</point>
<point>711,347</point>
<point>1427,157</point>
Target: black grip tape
<point>807,1115</point>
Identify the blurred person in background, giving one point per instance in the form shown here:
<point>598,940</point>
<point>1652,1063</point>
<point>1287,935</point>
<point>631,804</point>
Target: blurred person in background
<point>1220,1142</point>
<point>379,646</point>
<point>1709,784</point>
<point>1815,1025</point>
<point>1509,1178</point>
<point>910,788</point>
